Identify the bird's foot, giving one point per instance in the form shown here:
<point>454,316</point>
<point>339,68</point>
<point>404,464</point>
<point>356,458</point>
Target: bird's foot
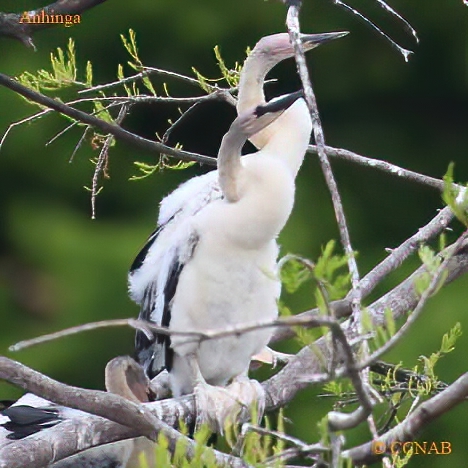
<point>160,387</point>
<point>271,357</point>
<point>220,406</point>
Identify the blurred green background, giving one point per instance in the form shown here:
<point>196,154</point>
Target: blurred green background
<point>59,268</point>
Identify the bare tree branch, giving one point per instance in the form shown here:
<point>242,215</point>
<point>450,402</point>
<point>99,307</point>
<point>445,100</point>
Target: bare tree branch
<point>433,286</point>
<point>118,132</point>
<point>404,52</point>
<point>91,431</point>
<point>198,336</point>
<point>103,404</point>
<point>10,25</point>
<point>437,225</point>
<point>126,420</point>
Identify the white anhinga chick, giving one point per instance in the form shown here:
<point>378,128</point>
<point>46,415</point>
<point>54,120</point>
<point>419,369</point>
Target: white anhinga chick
<point>224,265</point>
<point>152,275</point>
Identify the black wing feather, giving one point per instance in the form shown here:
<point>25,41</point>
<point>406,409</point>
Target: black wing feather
<point>140,258</point>
<point>27,420</point>
<point>155,354</point>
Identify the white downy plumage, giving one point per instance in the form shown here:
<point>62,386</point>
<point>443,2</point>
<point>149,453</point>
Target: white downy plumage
<point>155,272</point>
<point>230,278</point>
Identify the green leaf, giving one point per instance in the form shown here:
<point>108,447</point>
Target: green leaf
<point>230,75</point>
<point>421,283</point>
<point>147,170</point>
<point>202,81</point>
<point>89,74</point>
<point>131,47</point>
<point>63,72</point>
<point>366,321</point>
<point>430,259</point>
<point>161,451</point>
<point>294,273</point>
<point>149,86</point>
<point>455,197</point>
<point>326,271</point>
<point>449,339</point>
<point>334,387</point>
<point>101,112</point>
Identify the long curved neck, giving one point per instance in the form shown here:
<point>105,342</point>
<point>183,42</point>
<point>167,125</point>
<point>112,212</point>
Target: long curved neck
<point>251,81</point>
<point>229,164</point>
<point>126,378</point>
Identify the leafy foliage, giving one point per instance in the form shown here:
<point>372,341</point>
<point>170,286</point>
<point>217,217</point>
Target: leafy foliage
<point>456,197</point>
<point>328,271</point>
<point>294,272</point>
<point>147,170</point>
<point>330,282</point>
<point>131,47</point>
<point>258,449</point>
<point>203,457</point>
<point>432,261</point>
<point>230,75</point>
<point>447,346</point>
<point>63,74</point>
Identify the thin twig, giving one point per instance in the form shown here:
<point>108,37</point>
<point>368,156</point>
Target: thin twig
<point>351,367</point>
<point>301,447</point>
<point>294,33</point>
<point>407,26</point>
<point>398,255</point>
<point>148,98</point>
<point>293,26</point>
<point>380,165</point>
<point>342,421</point>
<point>148,327</point>
<point>22,121</point>
<point>103,159</point>
<point>405,52</point>
<point>78,145</point>
<point>146,72</point>
<point>220,94</point>
<point>295,452</point>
